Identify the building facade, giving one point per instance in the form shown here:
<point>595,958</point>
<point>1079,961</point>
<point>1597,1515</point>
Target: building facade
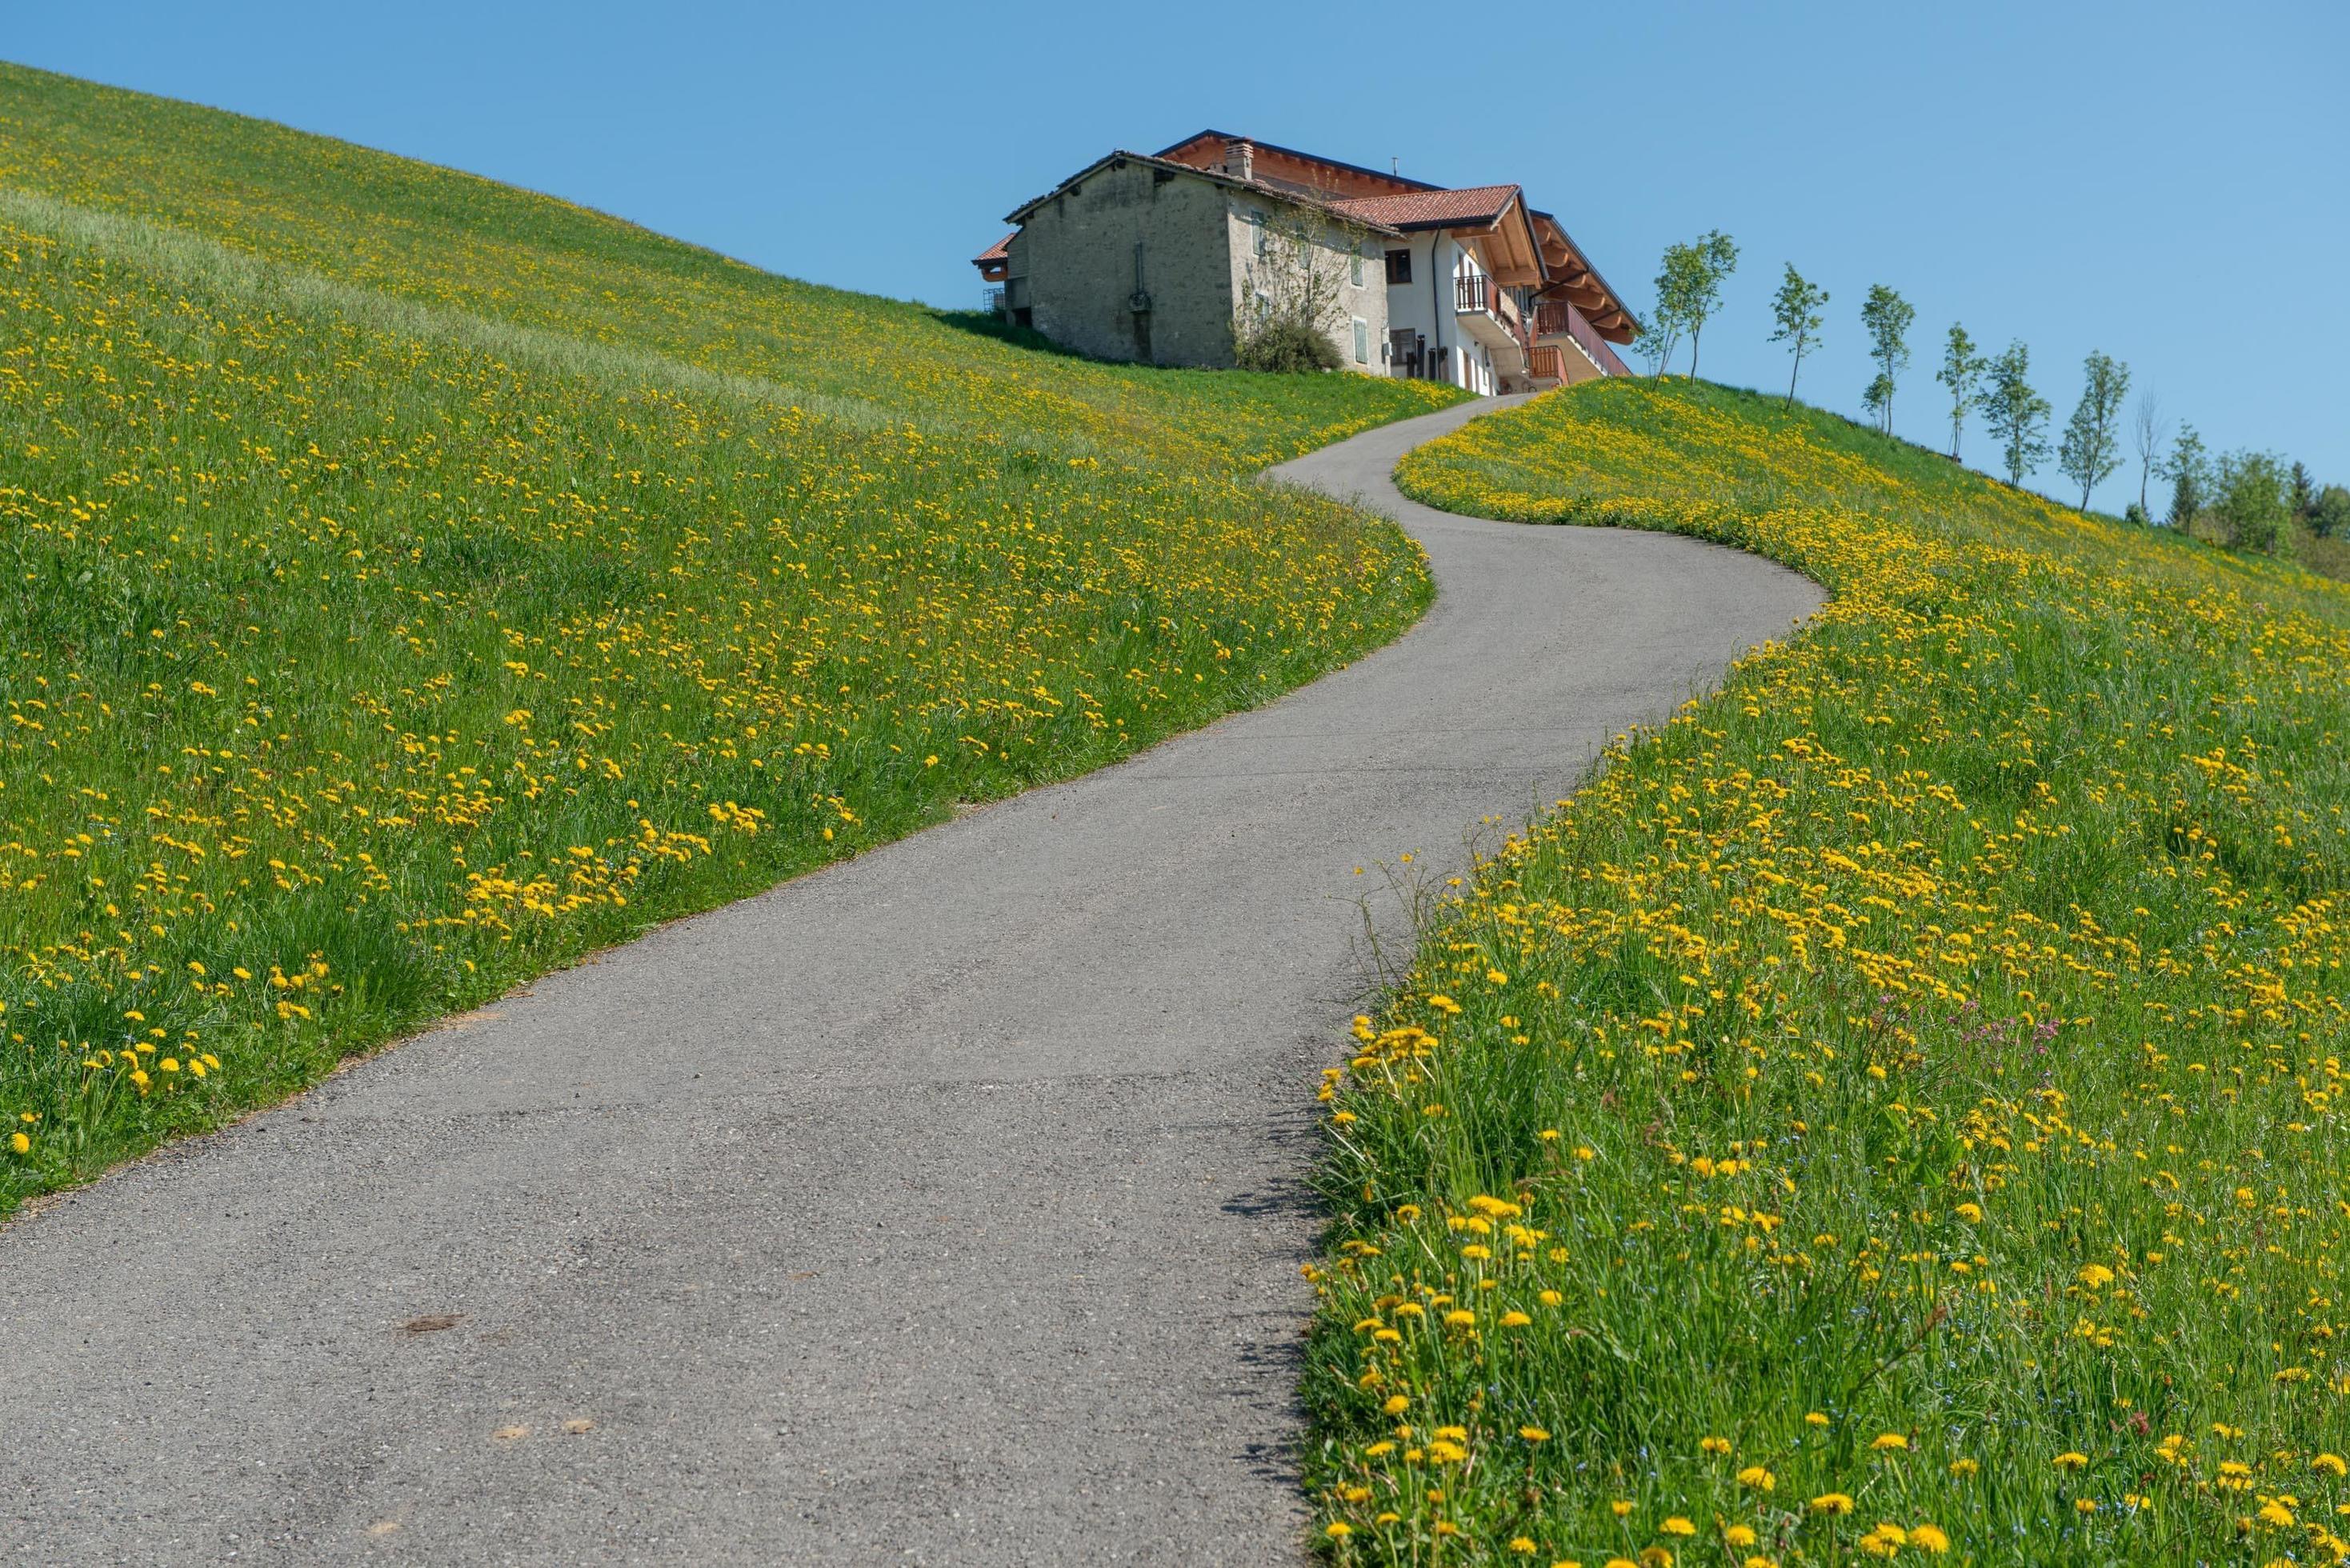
<point>1140,258</point>
<point>1167,258</point>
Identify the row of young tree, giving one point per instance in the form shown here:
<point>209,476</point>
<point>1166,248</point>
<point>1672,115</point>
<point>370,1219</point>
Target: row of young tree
<point>2252,500</point>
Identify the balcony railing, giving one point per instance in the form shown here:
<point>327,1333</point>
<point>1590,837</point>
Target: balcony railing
<point>1476,292</point>
<point>1560,319</point>
<point>994,302</point>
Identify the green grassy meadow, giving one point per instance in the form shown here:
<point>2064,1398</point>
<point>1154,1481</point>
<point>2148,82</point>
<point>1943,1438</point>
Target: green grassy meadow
<point>415,583</point>
<point>1896,1110</point>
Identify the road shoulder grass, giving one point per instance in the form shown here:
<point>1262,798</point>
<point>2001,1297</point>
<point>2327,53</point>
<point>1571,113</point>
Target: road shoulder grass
<point>1894,1108</point>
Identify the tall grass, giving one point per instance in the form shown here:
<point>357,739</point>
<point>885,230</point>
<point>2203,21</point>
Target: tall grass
<point>413,583</point>
<point>1895,1109</point>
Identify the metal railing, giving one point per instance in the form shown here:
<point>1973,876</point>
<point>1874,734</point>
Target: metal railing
<point>1477,292</point>
<point>993,302</point>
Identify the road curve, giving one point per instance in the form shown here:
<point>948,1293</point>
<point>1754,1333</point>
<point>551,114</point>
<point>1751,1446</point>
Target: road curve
<point>943,1206</point>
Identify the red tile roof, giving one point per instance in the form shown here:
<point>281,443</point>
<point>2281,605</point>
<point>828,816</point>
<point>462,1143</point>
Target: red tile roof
<point>996,252</point>
<point>1258,187</point>
<point>1432,209</point>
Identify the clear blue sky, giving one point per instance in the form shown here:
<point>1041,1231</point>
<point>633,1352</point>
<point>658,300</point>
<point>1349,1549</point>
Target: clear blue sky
<point>2169,182</point>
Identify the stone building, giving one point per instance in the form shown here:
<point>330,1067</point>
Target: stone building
<point>1167,257</point>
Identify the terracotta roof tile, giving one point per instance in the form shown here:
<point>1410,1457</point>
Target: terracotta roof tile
<point>997,252</point>
<point>1273,193</point>
<point>1430,209</point>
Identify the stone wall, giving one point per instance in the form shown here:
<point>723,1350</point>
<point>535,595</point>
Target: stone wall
<point>1081,258</point>
<point>1077,256</point>
<point>1357,261</point>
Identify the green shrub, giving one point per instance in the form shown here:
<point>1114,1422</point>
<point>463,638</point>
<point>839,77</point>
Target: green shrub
<point>1285,346</point>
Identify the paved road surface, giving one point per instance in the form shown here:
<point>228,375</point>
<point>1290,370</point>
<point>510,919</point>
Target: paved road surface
<point>941,1206</point>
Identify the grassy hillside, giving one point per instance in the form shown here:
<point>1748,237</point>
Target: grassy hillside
<point>1897,1109</point>
<point>415,582</point>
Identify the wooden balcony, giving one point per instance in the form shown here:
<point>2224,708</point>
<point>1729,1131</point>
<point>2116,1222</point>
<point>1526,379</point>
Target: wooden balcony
<point>1558,322</point>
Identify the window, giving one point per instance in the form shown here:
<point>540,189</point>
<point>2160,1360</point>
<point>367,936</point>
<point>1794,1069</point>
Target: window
<point>1400,266</point>
<point>1362,341</point>
<point>1260,242</point>
<point>1355,273</point>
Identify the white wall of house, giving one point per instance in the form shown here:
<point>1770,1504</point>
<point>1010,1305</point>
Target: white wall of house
<point>1426,308</point>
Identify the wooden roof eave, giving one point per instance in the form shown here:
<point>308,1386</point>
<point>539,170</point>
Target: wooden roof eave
<point>1514,254</point>
<point>1580,281</point>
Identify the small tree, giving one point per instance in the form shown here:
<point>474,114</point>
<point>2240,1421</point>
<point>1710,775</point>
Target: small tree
<point>1676,276</point>
<point>1292,298</point>
<point>1887,316</point>
<point>1688,286</point>
<point>2091,448</point>
<point>2188,469</point>
<point>1799,309</point>
<point>2150,430</point>
<point>1877,399</point>
<point>1961,372</point>
<point>1656,341</point>
<point>2016,416</point>
<point>2249,501</point>
<point>2329,518</point>
<point>2300,494</point>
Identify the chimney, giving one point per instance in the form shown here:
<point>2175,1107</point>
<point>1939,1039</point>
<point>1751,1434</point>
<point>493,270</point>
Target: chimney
<point>1239,160</point>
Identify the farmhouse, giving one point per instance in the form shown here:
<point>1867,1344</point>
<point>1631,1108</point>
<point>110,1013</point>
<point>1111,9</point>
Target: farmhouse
<point>1169,258</point>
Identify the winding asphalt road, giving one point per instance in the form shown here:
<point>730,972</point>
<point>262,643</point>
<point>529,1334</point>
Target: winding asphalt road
<point>941,1206</point>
